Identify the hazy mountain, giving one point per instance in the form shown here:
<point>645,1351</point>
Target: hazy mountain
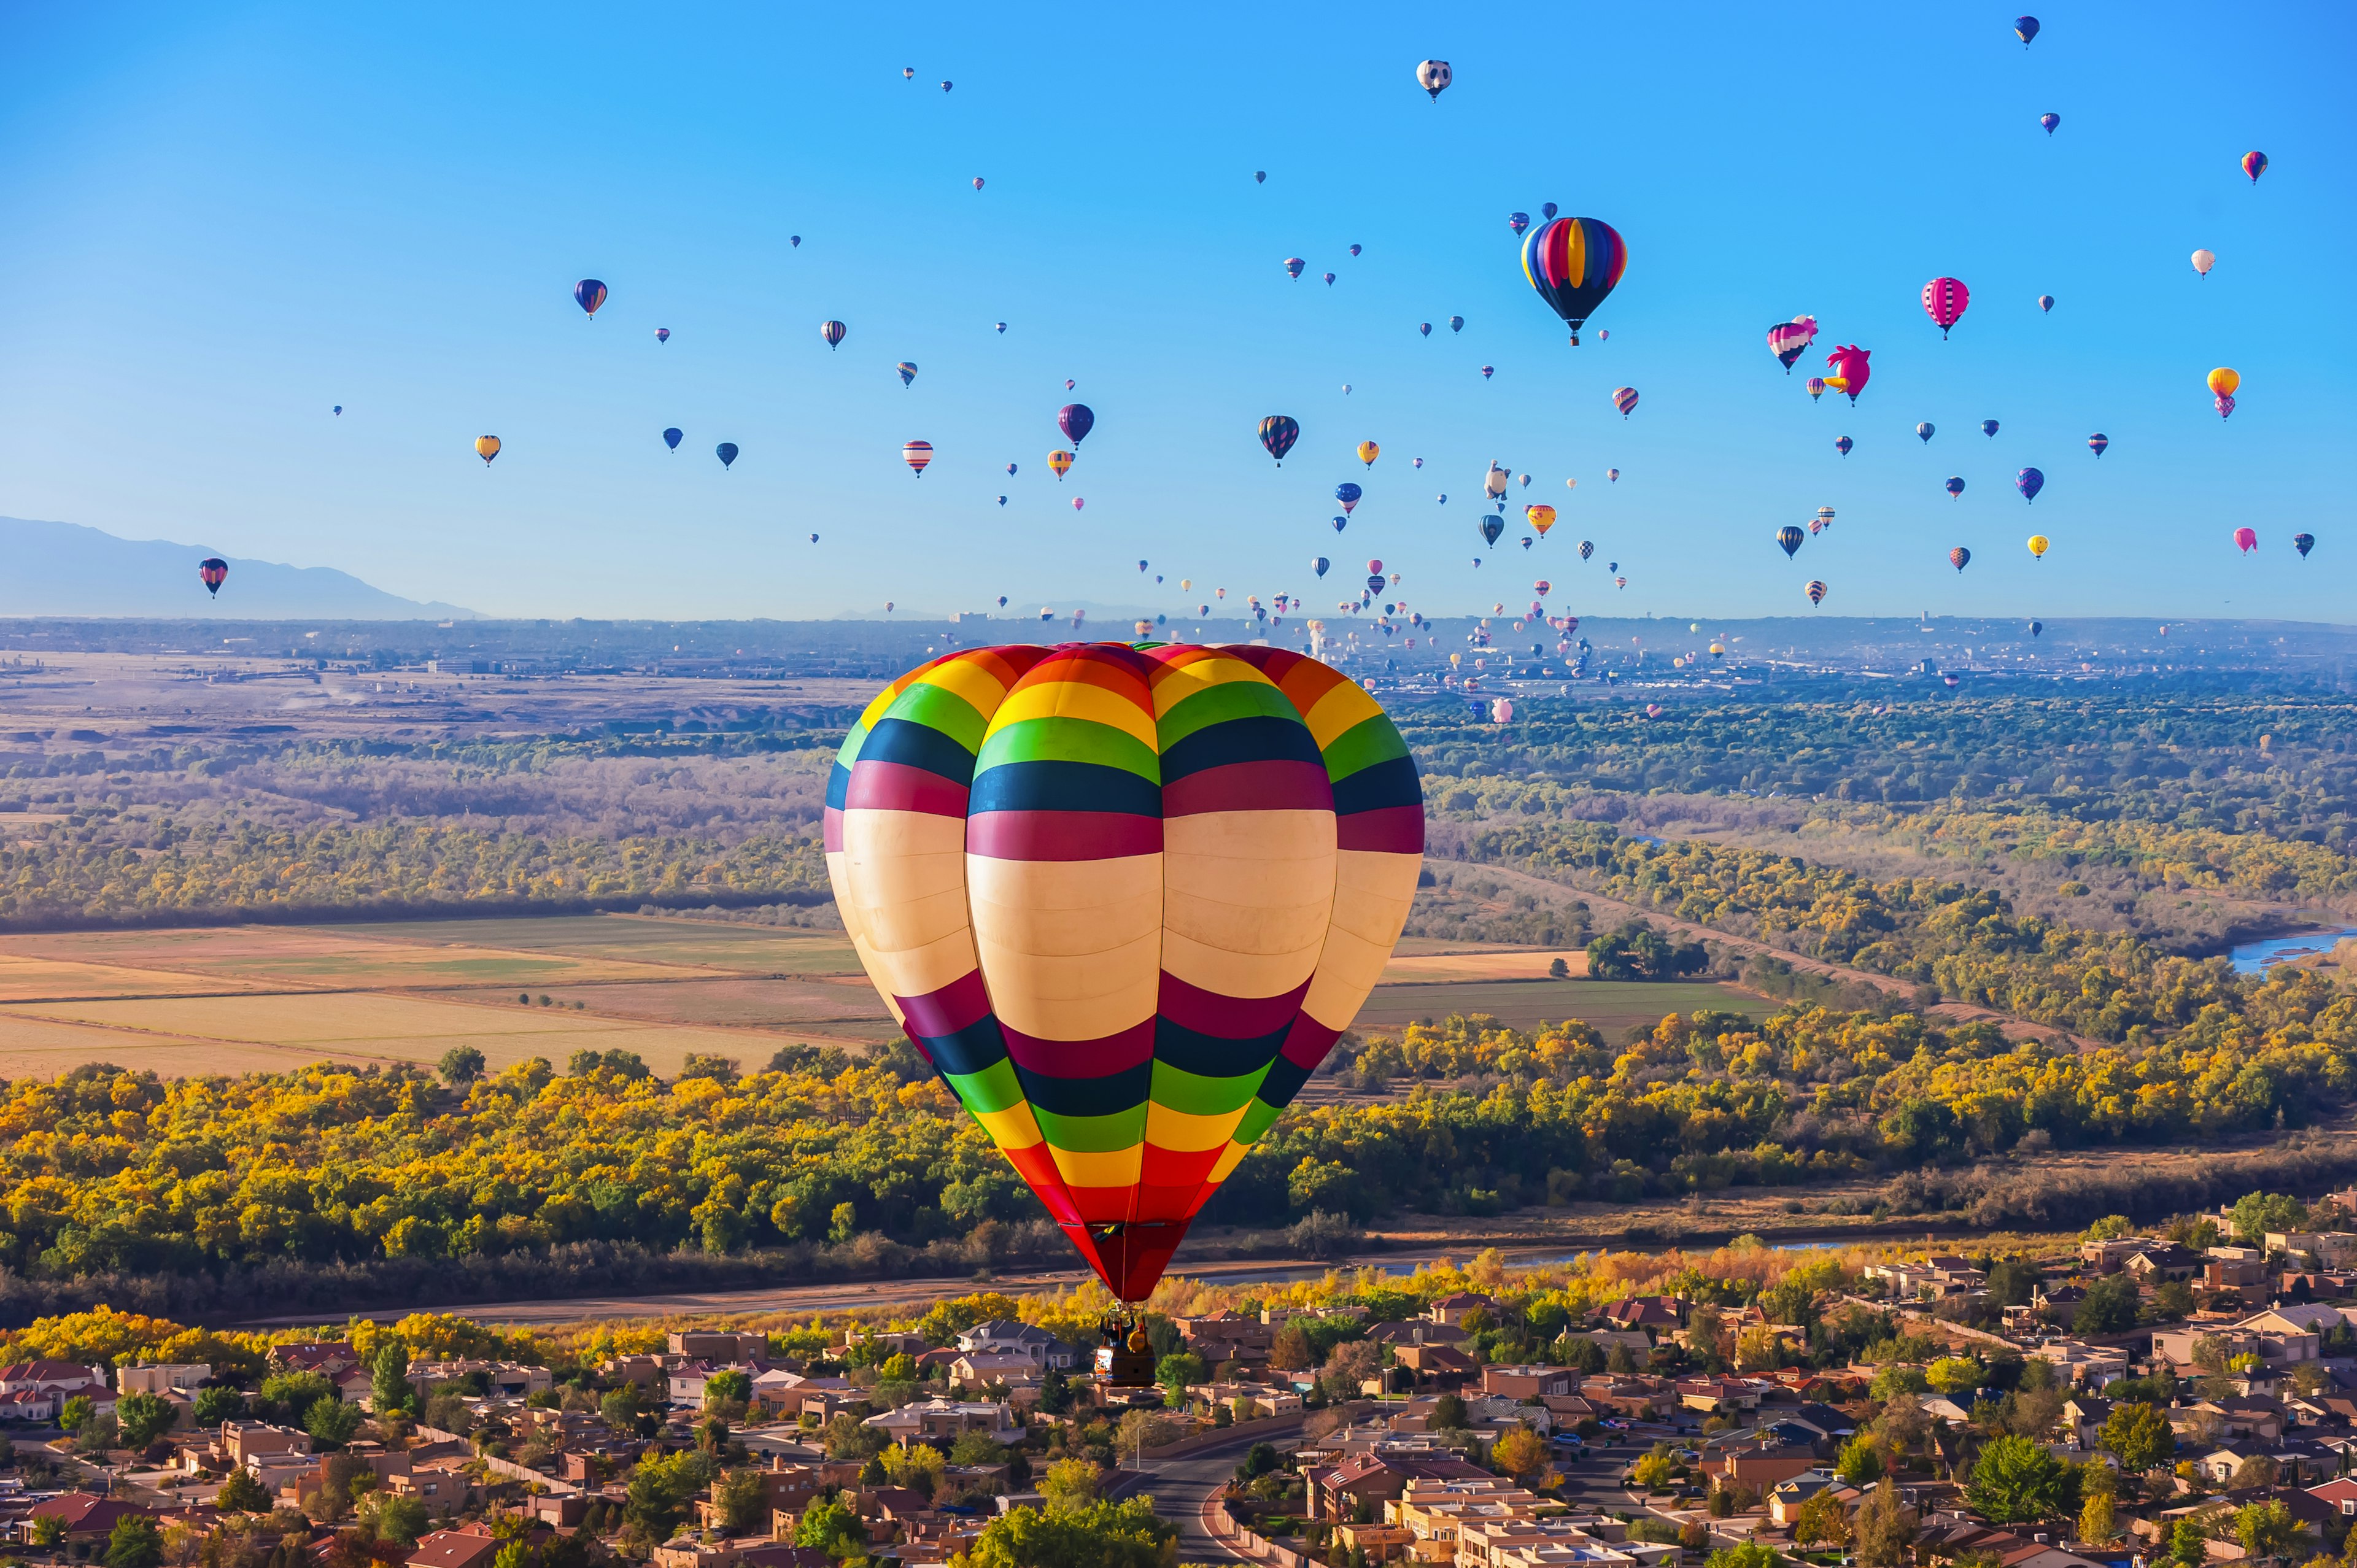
<point>63,569</point>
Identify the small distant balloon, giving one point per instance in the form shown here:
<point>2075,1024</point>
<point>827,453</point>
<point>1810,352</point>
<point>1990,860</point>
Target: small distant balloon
<point>2025,29</point>
<point>339,408</point>
<point>2303,542</point>
<point>947,85</point>
<point>1924,432</point>
<point>1789,539</point>
<point>978,182</point>
<point>1457,324</point>
<point>1488,370</point>
<point>662,334</point>
<point>1423,329</point>
<point>2224,382</point>
<point>1318,563</point>
<point>833,332</point>
<point>916,453</point>
<point>487,447</point>
<point>1518,221</point>
<point>2246,539</point>
<point>1329,280</point>
<point>1613,474</point>
<point>1434,76</point>
<point>1625,399</point>
<point>1076,420</point>
<point>2097,442</point>
<point>2045,302</point>
<point>2039,545</point>
<point>2029,481</point>
<point>2203,260</point>
<point>1816,593</point>
<point>1956,487</point>
<point>726,453</point>
<point>212,571</point>
<point>673,437</point>
<point>1080,501</point>
<point>1060,463</point>
<point>1944,301</point>
<point>2049,120</point>
<point>1260,177</point>
<point>1002,327</point>
<point>908,371</point>
<point>2255,164</point>
<point>1354,249</point>
<point>1293,265</point>
<point>1960,557</point>
<point>1548,209</point>
<point>796,240</point>
<point>1989,428</point>
<point>1587,549</point>
<point>2037,627</point>
<point>1816,388</point>
<point>1842,443</point>
<point>590,293</point>
<point>909,73</point>
<point>1348,494</point>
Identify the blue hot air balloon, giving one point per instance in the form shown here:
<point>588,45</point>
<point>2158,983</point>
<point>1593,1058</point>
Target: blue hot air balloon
<point>672,437</point>
<point>2029,481</point>
<point>1348,494</point>
<point>2025,29</point>
<point>727,452</point>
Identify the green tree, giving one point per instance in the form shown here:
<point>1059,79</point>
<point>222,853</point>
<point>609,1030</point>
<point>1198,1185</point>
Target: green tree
<point>47,1530</point>
<point>1821,1522</point>
<point>743,1498</point>
<point>75,1413</point>
<point>1898,1380</point>
<point>2265,1529</point>
<point>1070,1485</point>
<point>143,1418</point>
<point>461,1065</point>
<point>331,1423</point>
<point>722,1388</point>
<point>2259,1212</point>
<point>620,1409</point>
<point>389,1389</point>
<point>1124,1534</point>
<point>2138,1436</point>
<point>241,1493</point>
<point>1956,1374</point>
<point>1448,1413</point>
<point>135,1542</point>
<point>2016,1481</point>
<point>833,1526</point>
<point>662,1488</point>
<point>216,1404</point>
<point>2109,1228</point>
<point>285,1396</point>
<point>976,1448</point>
<point>395,1518</point>
<point>1751,1554</point>
<point>1861,1460</point>
<point>2110,1306</point>
<point>2097,1486</point>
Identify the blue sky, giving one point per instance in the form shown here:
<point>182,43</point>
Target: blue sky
<point>223,220</point>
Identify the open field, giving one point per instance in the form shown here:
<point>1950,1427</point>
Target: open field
<point>229,999</point>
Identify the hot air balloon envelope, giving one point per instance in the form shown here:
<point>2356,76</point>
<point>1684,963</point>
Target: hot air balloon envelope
<point>590,293</point>
<point>2254,164</point>
<point>1944,300</point>
<point>2025,29</point>
<point>1433,76</point>
<point>1277,433</point>
<point>673,437</point>
<point>725,452</point>
<point>1574,264</point>
<point>2029,481</point>
<point>212,571</point>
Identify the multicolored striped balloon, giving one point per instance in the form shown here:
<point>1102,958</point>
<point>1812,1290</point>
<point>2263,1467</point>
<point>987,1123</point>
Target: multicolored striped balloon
<point>1124,899</point>
<point>1573,262</point>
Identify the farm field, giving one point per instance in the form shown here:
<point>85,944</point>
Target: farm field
<point>239,998</point>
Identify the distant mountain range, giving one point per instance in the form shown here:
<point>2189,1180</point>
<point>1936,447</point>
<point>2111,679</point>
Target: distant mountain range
<point>63,569</point>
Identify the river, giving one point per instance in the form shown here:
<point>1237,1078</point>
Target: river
<point>2251,958</point>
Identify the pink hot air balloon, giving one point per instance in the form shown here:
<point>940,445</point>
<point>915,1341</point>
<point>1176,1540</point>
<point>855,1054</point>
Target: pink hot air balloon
<point>2224,402</point>
<point>1944,300</point>
<point>2246,539</point>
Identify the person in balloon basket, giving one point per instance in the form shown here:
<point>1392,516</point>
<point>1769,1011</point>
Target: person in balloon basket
<point>1125,1359</point>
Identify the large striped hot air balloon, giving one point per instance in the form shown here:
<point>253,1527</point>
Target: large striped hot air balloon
<point>1625,399</point>
<point>1573,262</point>
<point>1125,899</point>
<point>1789,339</point>
<point>916,453</point>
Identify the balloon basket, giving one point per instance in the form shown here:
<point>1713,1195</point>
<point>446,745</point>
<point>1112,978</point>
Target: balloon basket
<point>1125,1359</point>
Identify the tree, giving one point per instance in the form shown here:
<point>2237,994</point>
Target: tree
<point>1177,1373</point>
<point>1583,1354</point>
<point>285,1396</point>
<point>722,1390</point>
<point>1903,1423</point>
<point>743,1498</point>
<point>389,1389</point>
<point>1124,1534</point>
<point>331,1423</point>
<point>215,1405</point>
<point>143,1418</point>
<point>1070,1484</point>
<point>2110,1306</point>
<point>136,1543</point>
<point>976,1448</point>
<point>2188,1545</point>
<point>1894,1380</point>
<point>1519,1453</point>
<point>1860,1461</point>
<point>2138,1436</point>
<point>2012,1280</point>
<point>1055,1392</point>
<point>48,1530</point>
<point>75,1412</point>
<point>1821,1521</point>
<point>833,1526</point>
<point>2266,1529</point>
<point>2109,1228</point>
<point>661,1488</point>
<point>1448,1413</point>
<point>395,1518</point>
<point>241,1493</point>
<point>1654,1470</point>
<point>1884,1530</point>
<point>2017,1481</point>
<point>2174,1300</point>
<point>460,1066</point>
<point>1957,1375</point>
<point>2096,1486</point>
<point>1751,1554</point>
<point>1349,1366</point>
<point>619,1407</point>
<point>1292,1350</point>
<point>1143,1429</point>
<point>2258,1213</point>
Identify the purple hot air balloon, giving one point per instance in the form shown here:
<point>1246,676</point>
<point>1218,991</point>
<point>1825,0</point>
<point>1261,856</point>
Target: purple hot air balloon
<point>1076,420</point>
<point>2049,120</point>
<point>2029,481</point>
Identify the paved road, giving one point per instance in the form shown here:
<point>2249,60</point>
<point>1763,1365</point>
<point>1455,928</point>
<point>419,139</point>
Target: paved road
<point>1182,1492</point>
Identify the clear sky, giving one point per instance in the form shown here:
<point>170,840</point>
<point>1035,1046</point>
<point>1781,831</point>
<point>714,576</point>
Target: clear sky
<point>223,220</point>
